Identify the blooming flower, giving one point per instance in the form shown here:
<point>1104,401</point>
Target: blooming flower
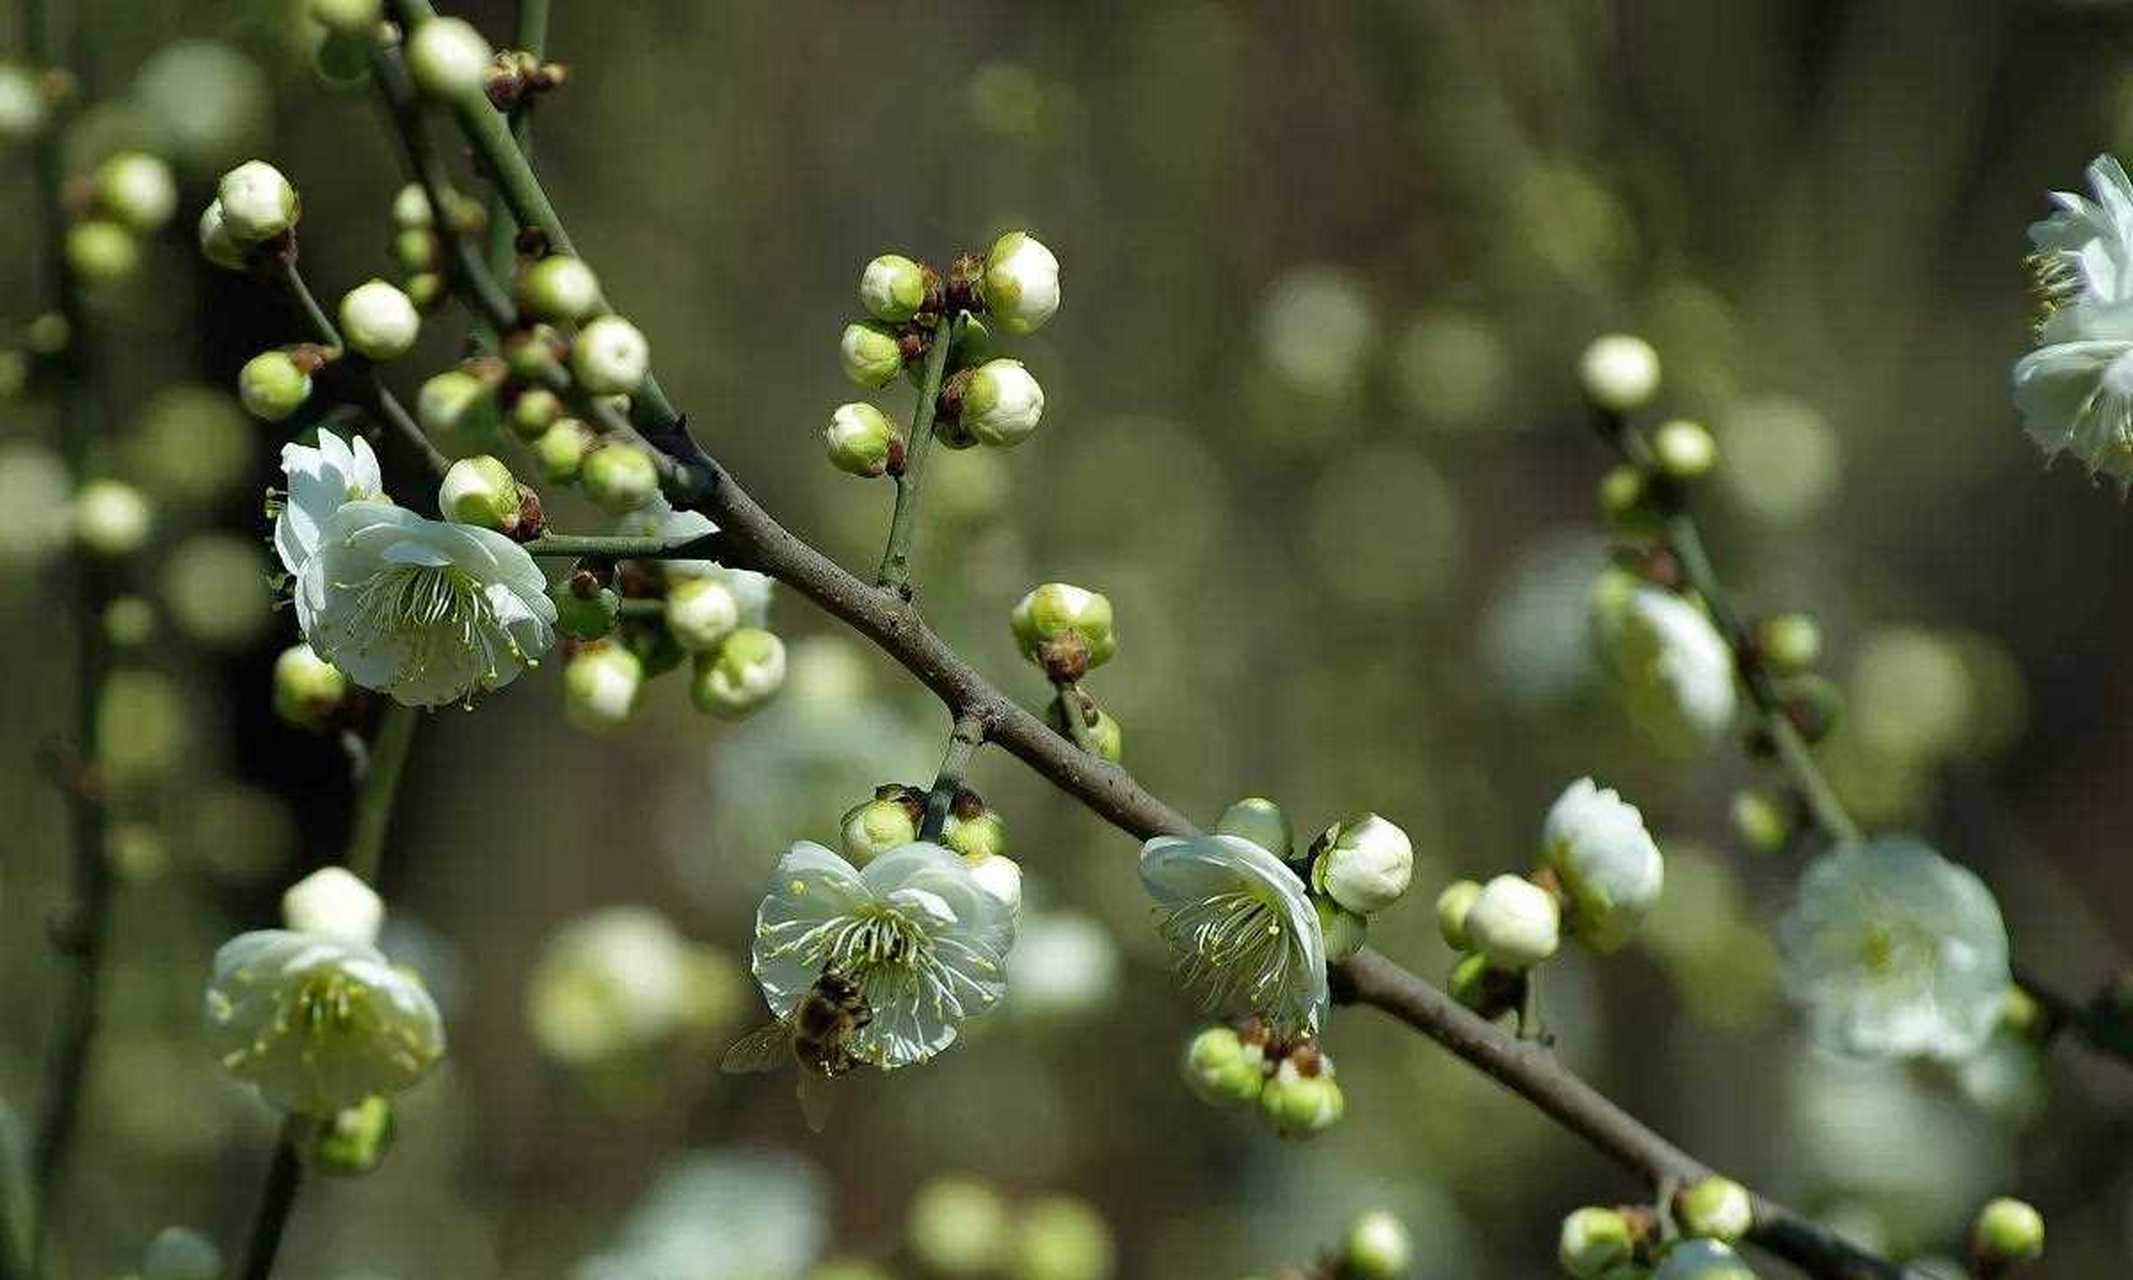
<point>318,1025</point>
<point>1598,847</point>
<point>923,942</point>
<point>1241,929</point>
<point>321,481</point>
<point>1895,951</point>
<point>1675,669</point>
<point>2075,391</point>
<point>426,611</point>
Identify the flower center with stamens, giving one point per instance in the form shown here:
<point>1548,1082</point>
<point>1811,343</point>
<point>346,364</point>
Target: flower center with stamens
<point>1232,949</point>
<point>440,613</point>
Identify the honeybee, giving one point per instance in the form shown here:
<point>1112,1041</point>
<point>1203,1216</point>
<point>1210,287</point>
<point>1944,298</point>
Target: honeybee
<point>814,1037</point>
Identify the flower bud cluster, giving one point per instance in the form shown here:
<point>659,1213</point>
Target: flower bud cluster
<point>910,307</point>
<point>961,1228</point>
<point>1290,1083</point>
<point>132,195</point>
<point>896,816</point>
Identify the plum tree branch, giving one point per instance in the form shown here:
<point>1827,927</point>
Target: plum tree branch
<point>749,537</point>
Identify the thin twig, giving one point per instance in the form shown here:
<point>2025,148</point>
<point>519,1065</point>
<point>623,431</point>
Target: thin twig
<point>601,546</point>
<point>503,227</point>
<point>895,573</point>
<point>276,1201</point>
<point>381,785</point>
<point>964,739</point>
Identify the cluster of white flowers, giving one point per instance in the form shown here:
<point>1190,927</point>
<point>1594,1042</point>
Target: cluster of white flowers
<point>2075,390</point>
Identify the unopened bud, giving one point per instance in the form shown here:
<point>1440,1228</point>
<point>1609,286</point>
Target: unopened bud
<point>1684,450</point>
<point>1620,372</point>
<point>1299,1104</point>
<point>978,835</point>
<point>701,613</point>
<point>561,450</point>
<point>1223,1068</point>
<point>600,686</point>
<point>102,252</point>
<point>1453,905</point>
<point>258,202</point>
<point>379,321</point>
<point>1378,1248</point>
<point>1262,822</point>
<point>1514,924</point>
<point>740,675</point>
<point>1064,628</point>
<point>1715,1208</point>
<point>1020,282</point>
<point>273,385</point>
<point>1364,864</point>
<point>862,441</point>
<point>349,1143</point>
<point>892,288</point>
<point>457,404</point>
<point>333,902</point>
<point>1595,1242</point>
<point>447,58</point>
<point>137,190</point>
<point>308,690</point>
<point>1761,820</point>
<point>619,478</point>
<point>1789,642</point>
<point>217,245</point>
<point>561,288</point>
<point>1001,404</point>
<point>871,353</point>
<point>610,356</point>
<point>2007,1231</point>
<point>111,518</point>
<point>585,609</point>
<point>480,491</point>
<point>874,827</point>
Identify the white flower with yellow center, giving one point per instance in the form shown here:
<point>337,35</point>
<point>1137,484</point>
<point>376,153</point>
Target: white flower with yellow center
<point>1242,933</point>
<point>426,611</point>
<point>322,480</point>
<point>923,942</point>
<point>317,1024</point>
<point>2075,391</point>
<point>1676,670</point>
<point>1895,951</point>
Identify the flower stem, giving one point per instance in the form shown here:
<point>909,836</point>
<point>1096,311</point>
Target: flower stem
<point>381,784</point>
<point>624,547</point>
<point>1074,710</point>
<point>895,574</point>
<point>964,740</point>
<point>381,399</point>
<point>284,1177</point>
<point>503,228</point>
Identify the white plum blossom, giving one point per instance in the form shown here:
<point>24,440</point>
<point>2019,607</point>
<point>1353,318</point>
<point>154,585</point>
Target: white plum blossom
<point>923,941</point>
<point>322,480</point>
<point>2075,390</point>
<point>318,1024</point>
<point>1242,932</point>
<point>427,611</point>
<point>1675,669</point>
<point>1895,952</point>
<point>1608,865</point>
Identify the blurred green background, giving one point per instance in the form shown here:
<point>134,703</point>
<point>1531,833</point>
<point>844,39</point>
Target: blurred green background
<point>1312,423</point>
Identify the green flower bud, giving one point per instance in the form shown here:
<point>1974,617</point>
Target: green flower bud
<point>873,827</point>
<point>862,440</point>
<point>1364,864</point>
<point>957,1228</point>
<point>1684,450</point>
<point>1789,643</point>
<point>1105,734</point>
<point>619,478</point>
<point>1224,1068</point>
<point>892,288</point>
<point>257,203</point>
<point>379,321</point>
<point>137,190</point>
<point>1000,876</point>
<point>457,404</point>
<point>101,252</point>
<point>217,245</point>
<point>23,108</point>
<point>1452,907</point>
<point>740,675</point>
<point>273,385</point>
<point>560,288</point>
<point>535,410</point>
<point>600,686</point>
<point>1620,372</point>
<point>2007,1231</point>
<point>1065,629</point>
<point>584,609</point>
<point>129,622</point>
<point>1624,500</point>
<point>418,250</point>
<point>561,451</point>
<point>480,491</point>
<point>1378,1247</point>
<point>701,613</point>
<point>447,58</point>
<point>180,1253</point>
<point>1514,923</point>
<point>1262,822</point>
<point>1021,282</point>
<point>2023,1015</point>
<point>411,205</point>
<point>308,690</point>
<point>979,835</point>
<point>1001,404</point>
<point>111,518</point>
<point>349,1143</point>
<point>1475,985</point>
<point>535,355</point>
<point>610,357</point>
<point>426,290</point>
<point>1715,1208</point>
<point>1594,1242</point>
<point>1061,1238</point>
<point>1695,1259</point>
<point>1299,1104</point>
<point>1760,820</point>
<point>333,902</point>
<point>347,17</point>
<point>1342,929</point>
<point>872,354</point>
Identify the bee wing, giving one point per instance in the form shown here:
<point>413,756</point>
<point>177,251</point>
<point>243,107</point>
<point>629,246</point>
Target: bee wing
<point>818,1097</point>
<point>766,1048</point>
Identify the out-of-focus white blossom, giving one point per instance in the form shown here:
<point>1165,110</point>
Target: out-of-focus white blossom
<point>1608,864</point>
<point>620,980</point>
<point>1676,671</point>
<point>1895,951</point>
<point>738,1214</point>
